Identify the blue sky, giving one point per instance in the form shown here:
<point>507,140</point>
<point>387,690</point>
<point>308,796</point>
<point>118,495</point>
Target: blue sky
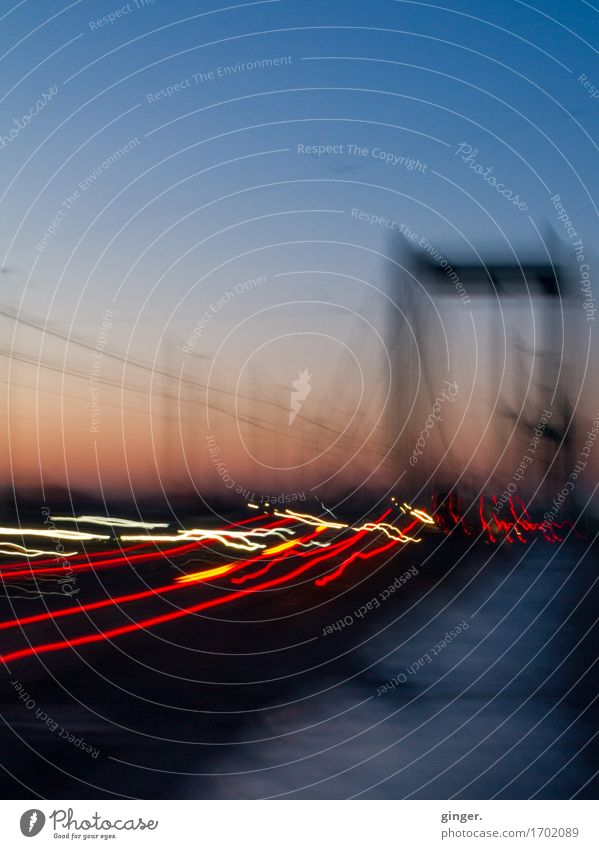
<point>214,190</point>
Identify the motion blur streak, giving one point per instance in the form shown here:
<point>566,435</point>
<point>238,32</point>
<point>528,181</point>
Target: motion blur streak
<point>334,549</point>
<point>232,539</point>
<point>235,567</point>
<point>314,544</point>
<point>100,564</point>
<point>310,520</point>
<point>389,530</point>
<point>283,546</point>
<point>423,516</point>
<point>92,561</point>
<point>20,551</point>
<point>285,549</point>
<point>87,556</point>
<point>54,534</point>
<point>493,526</point>
<point>98,605</point>
<point>158,620</point>
<point>84,608</point>
<point>207,573</point>
<point>109,522</point>
<point>358,555</point>
<point>204,605</point>
<point>320,582</point>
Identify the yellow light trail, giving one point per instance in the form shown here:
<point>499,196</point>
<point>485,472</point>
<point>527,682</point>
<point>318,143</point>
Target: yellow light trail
<point>281,547</point>
<point>207,573</point>
<point>222,570</point>
<point>293,542</point>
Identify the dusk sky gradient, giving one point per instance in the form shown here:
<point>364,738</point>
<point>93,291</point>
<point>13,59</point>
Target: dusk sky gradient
<point>213,192</point>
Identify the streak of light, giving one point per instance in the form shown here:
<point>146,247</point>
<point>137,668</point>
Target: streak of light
<point>20,551</point>
<point>358,555</point>
<point>92,558</point>
<point>516,522</point>
<point>423,516</point>
<point>178,584</point>
<point>108,521</point>
<point>334,549</point>
<point>366,556</point>
<point>87,556</point>
<point>497,528</point>
<point>232,539</point>
<point>306,519</point>
<point>54,534</point>
<point>100,564</point>
<point>192,577</point>
<point>390,531</point>
<point>85,608</point>
<point>99,636</point>
<point>326,509</point>
<point>10,591</point>
<point>276,549</point>
<point>314,544</point>
<point>116,561</point>
<point>207,573</point>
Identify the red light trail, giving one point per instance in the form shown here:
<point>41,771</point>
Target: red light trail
<point>287,551</point>
<point>451,517</point>
<point>354,546</point>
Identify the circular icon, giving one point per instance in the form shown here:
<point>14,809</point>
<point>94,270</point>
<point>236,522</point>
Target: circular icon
<point>32,822</point>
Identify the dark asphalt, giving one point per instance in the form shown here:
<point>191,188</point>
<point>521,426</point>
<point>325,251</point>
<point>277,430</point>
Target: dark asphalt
<point>251,700</point>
